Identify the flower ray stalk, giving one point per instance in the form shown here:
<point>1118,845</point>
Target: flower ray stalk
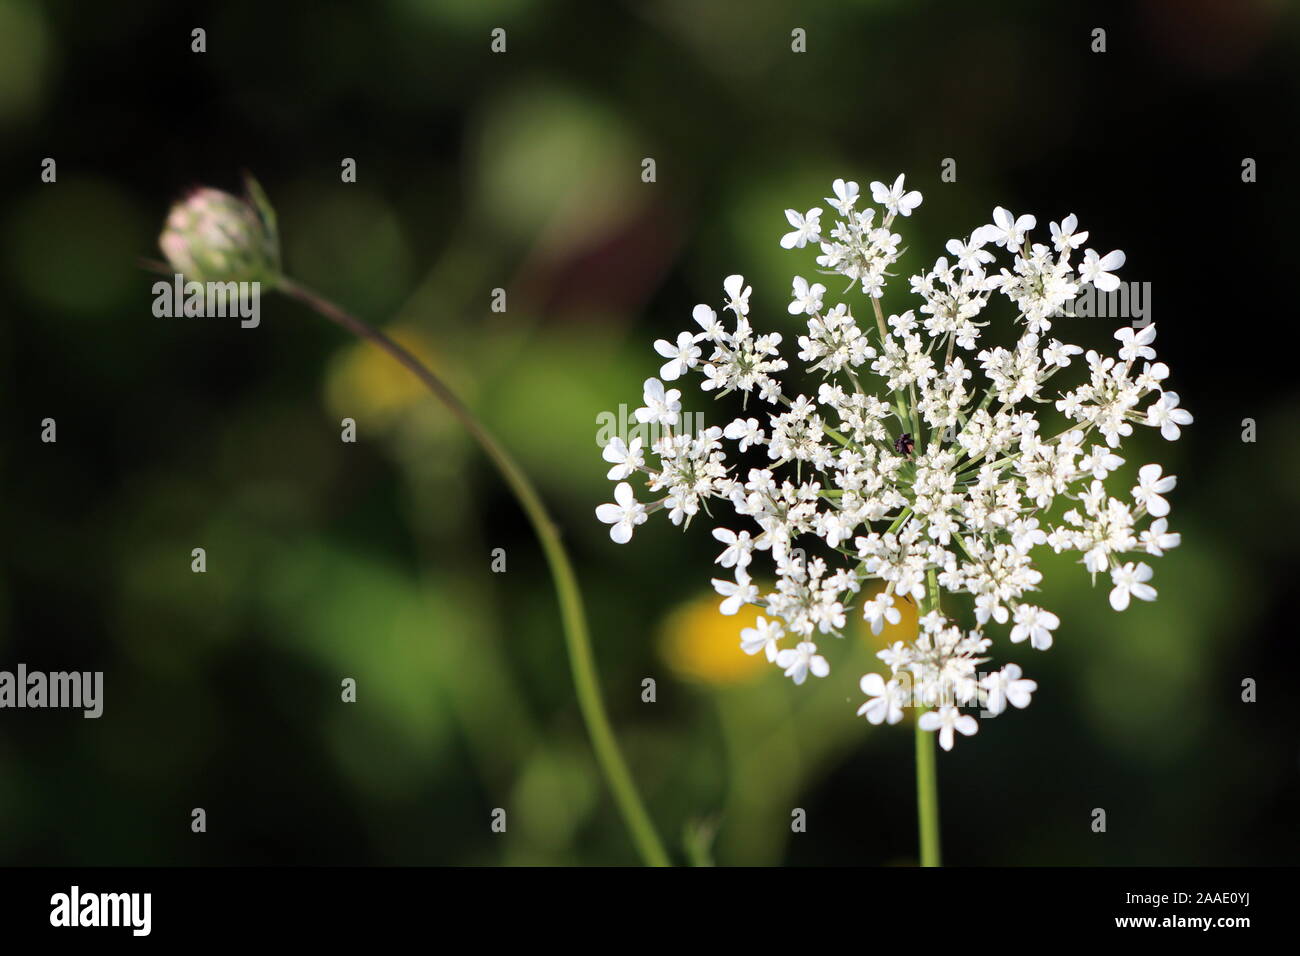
<point>577,640</point>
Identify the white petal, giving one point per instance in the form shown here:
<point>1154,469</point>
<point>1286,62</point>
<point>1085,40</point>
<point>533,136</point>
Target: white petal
<point>873,685</point>
<point>1119,598</point>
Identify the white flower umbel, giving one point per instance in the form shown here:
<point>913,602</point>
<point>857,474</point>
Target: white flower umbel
<point>912,453</point>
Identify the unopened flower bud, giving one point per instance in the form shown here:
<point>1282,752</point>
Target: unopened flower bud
<point>213,236</point>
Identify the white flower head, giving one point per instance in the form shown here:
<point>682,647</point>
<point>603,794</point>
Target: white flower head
<point>930,450</point>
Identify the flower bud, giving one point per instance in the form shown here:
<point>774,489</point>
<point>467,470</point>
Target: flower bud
<point>212,236</point>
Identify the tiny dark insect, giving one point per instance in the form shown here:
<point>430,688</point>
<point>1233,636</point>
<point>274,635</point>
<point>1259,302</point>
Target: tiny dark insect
<point>904,444</point>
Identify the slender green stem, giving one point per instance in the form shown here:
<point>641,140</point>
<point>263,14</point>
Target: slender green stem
<point>581,660</point>
<point>927,784</point>
<point>927,796</point>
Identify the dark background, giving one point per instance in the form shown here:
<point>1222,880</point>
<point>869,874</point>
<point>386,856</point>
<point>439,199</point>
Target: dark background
<point>522,171</point>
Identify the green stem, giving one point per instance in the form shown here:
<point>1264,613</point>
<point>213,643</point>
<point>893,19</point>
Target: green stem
<point>927,785</point>
<point>927,796</point>
<point>581,660</point>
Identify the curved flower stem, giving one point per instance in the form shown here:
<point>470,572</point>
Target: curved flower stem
<point>927,786</point>
<point>581,660</point>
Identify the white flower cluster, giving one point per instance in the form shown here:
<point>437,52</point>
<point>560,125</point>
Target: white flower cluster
<point>921,463</point>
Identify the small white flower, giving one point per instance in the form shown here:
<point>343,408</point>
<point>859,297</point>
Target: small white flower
<point>625,514</point>
<point>764,636</point>
<point>1100,462</point>
<point>625,458</point>
<point>947,719</point>
<point>1035,624</point>
<point>1064,236</point>
<point>682,356</point>
<point>1007,687</point>
<point>971,256</point>
<point>880,611</point>
<point>801,660</point>
<point>807,298</point>
<point>707,320</point>
<point>1150,489</point>
<point>807,228</point>
<point>1130,580</point>
<point>990,606</point>
<point>1097,270</point>
<point>1136,344</point>
<point>846,194</point>
<point>738,551</point>
<point>887,700</point>
<point>660,407</point>
<point>894,198</point>
<point>737,294</point>
<point>1058,353</point>
<point>745,431</point>
<point>738,593</point>
<point>1167,416</point>
<point>1158,539</point>
<point>1006,230</point>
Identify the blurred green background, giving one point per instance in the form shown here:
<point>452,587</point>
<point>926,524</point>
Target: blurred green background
<point>522,171</point>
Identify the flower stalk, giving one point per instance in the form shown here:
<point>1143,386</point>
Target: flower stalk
<point>214,236</point>
<point>577,639</point>
<point>927,783</point>
<point>927,798</point>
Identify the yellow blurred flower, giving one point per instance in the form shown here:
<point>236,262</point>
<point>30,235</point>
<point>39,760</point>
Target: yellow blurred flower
<point>702,644</point>
<point>365,383</point>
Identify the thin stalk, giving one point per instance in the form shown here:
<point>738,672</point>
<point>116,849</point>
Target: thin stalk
<point>581,660</point>
<point>927,797</point>
<point>927,785</point>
